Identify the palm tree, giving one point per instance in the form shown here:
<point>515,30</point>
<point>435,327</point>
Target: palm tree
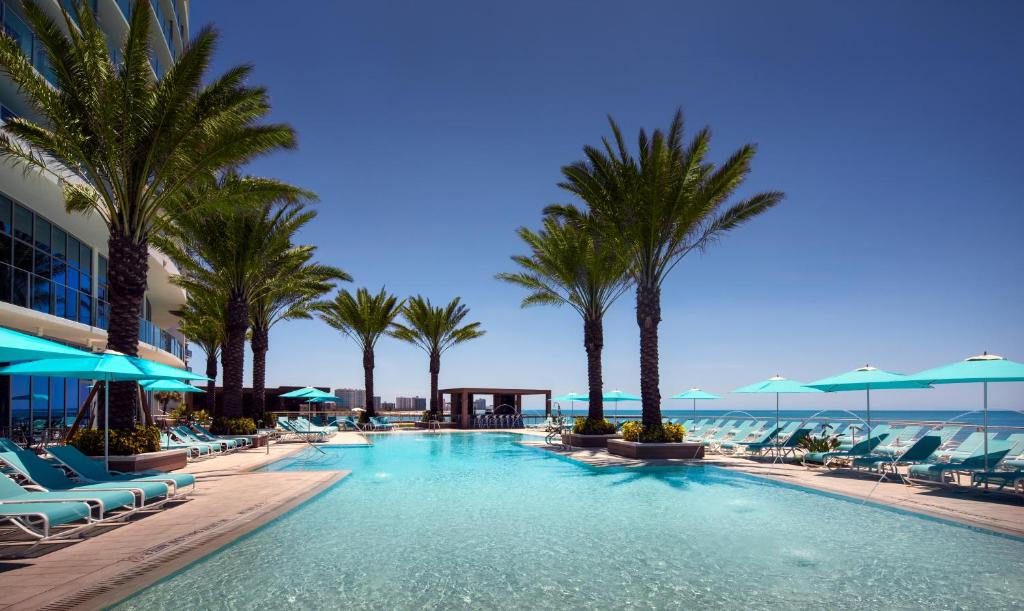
<point>658,207</point>
<point>435,330</point>
<point>127,144</point>
<point>237,250</point>
<point>292,295</point>
<point>364,318</point>
<point>202,322</point>
<point>569,265</point>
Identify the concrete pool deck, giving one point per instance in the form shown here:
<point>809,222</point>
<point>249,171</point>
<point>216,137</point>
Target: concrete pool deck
<point>230,500</point>
<point>1000,512</point>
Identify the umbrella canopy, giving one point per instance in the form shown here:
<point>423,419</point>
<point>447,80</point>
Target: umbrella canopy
<point>168,386</point>
<point>695,394</point>
<point>573,396</point>
<point>614,396</point>
<point>865,378</point>
<point>304,393</point>
<point>15,346</point>
<point>327,399</point>
<point>983,368</point>
<point>779,386</point>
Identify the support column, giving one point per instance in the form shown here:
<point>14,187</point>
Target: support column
<point>547,404</point>
<point>465,411</point>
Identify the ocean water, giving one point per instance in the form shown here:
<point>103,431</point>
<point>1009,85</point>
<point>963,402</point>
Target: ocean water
<point>477,521</point>
<point>995,417</point>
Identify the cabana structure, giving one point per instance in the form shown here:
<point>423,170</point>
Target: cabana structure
<point>505,401</point>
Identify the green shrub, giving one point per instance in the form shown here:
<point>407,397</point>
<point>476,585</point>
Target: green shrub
<point>234,426</point>
<point>662,433</point>
<point>269,420</point>
<point>818,444</point>
<point>427,416</point>
<point>589,426</point>
<point>122,442</point>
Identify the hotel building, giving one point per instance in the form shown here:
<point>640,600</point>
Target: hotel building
<point>53,265</point>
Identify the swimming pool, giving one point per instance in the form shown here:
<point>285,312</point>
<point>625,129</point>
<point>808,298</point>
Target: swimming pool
<point>476,521</point>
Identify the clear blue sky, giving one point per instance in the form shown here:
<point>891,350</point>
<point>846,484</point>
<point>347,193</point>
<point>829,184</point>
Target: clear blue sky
<point>432,130</point>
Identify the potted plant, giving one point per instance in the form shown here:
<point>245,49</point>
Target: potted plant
<point>590,433</point>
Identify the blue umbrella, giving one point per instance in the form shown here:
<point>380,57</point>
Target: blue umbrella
<point>983,368</point>
<point>307,392</point>
<point>571,398</point>
<point>616,397</point>
<point>109,366</point>
<point>865,378</point>
<point>778,385</point>
<point>15,346</point>
<point>168,385</point>
<point>695,394</point>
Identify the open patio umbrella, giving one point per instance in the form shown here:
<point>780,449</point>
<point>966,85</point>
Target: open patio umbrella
<point>780,386</point>
<point>307,392</point>
<point>571,397</point>
<point>108,366</point>
<point>616,397</point>
<point>983,368</point>
<point>327,399</point>
<point>865,378</point>
<point>15,346</point>
<point>695,394</point>
<point>168,386</point>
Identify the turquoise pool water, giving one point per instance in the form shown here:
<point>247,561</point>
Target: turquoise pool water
<point>476,521</point>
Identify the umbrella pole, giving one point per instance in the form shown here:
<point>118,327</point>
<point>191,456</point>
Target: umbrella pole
<point>694,412</point>
<point>106,425</point>
<point>776,424</point>
<point>868,389</point>
<point>985,422</point>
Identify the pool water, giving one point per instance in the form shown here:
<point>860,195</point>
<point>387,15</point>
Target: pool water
<point>477,521</point>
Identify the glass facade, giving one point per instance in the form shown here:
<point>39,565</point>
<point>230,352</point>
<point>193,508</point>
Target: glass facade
<point>15,27</point>
<point>36,409</point>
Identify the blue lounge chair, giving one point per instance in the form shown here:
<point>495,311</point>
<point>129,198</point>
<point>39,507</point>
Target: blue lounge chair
<point>919,451</point>
<point>381,423</point>
<point>89,469</point>
<point>764,440</point>
<point>195,451</point>
<point>186,434</point>
<point>901,439</point>
<point>101,501</point>
<point>50,478</point>
<point>946,473</point>
<point>846,440</point>
<point>861,448</point>
<point>39,519</point>
<point>204,435</point>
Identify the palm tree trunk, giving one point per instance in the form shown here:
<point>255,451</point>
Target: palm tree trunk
<point>436,407</point>
<point>260,344</point>
<point>593,341</point>
<point>233,355</point>
<point>368,381</point>
<point>211,385</point>
<point>128,265</point>
<point>648,315</point>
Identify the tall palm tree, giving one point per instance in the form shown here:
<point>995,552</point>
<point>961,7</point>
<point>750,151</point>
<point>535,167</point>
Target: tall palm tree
<point>237,251</point>
<point>292,295</point>
<point>364,318</point>
<point>127,144</point>
<point>435,330</point>
<point>569,265</point>
<point>202,322</point>
<point>668,201</point>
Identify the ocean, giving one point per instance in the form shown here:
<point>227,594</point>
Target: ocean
<point>995,417</point>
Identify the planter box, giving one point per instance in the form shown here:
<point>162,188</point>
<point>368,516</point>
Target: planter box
<point>258,441</point>
<point>633,449</point>
<point>164,460</point>
<point>588,441</point>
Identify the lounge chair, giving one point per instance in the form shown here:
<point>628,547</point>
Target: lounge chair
<point>89,469</point>
<point>195,451</point>
<point>186,434</point>
<point>861,448</point>
<point>303,424</point>
<point>204,435</point>
<point>189,440</point>
<point>303,434</point>
<point>1014,479</point>
<point>789,447</point>
<point>846,440</point>
<point>900,440</point>
<point>919,451</point>
<point>101,501</point>
<point>38,519</point>
<point>50,478</point>
<point>946,473</point>
<point>764,440</point>
<point>739,432</point>
<point>381,423</point>
<point>350,423</point>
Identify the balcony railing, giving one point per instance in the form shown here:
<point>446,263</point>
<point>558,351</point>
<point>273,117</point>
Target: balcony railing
<point>155,336</point>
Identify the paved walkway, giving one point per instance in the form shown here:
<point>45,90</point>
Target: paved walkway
<point>989,510</point>
<point>230,500</point>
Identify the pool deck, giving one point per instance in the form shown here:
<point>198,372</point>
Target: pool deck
<point>229,501</point>
<point>1001,512</point>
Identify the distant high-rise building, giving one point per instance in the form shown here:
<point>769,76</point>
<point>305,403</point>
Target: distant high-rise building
<point>409,404</point>
<point>354,397</point>
<point>480,405</point>
<point>387,406</point>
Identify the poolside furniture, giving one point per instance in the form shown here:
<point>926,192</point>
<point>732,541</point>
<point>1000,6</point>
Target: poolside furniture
<point>900,440</point>
<point>89,469</point>
<point>757,445</point>
<point>846,439</point>
<point>946,473</point>
<point>300,433</point>
<point>350,423</point>
<point>789,447</point>
<point>861,448</point>
<point>195,451</point>
<point>101,501</point>
<point>381,423</point>
<point>742,431</point>
<point>1014,479</point>
<point>186,434</point>
<point>204,435</point>
<point>50,478</point>
<point>305,425</point>
<point>919,451</point>
<point>38,519</point>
